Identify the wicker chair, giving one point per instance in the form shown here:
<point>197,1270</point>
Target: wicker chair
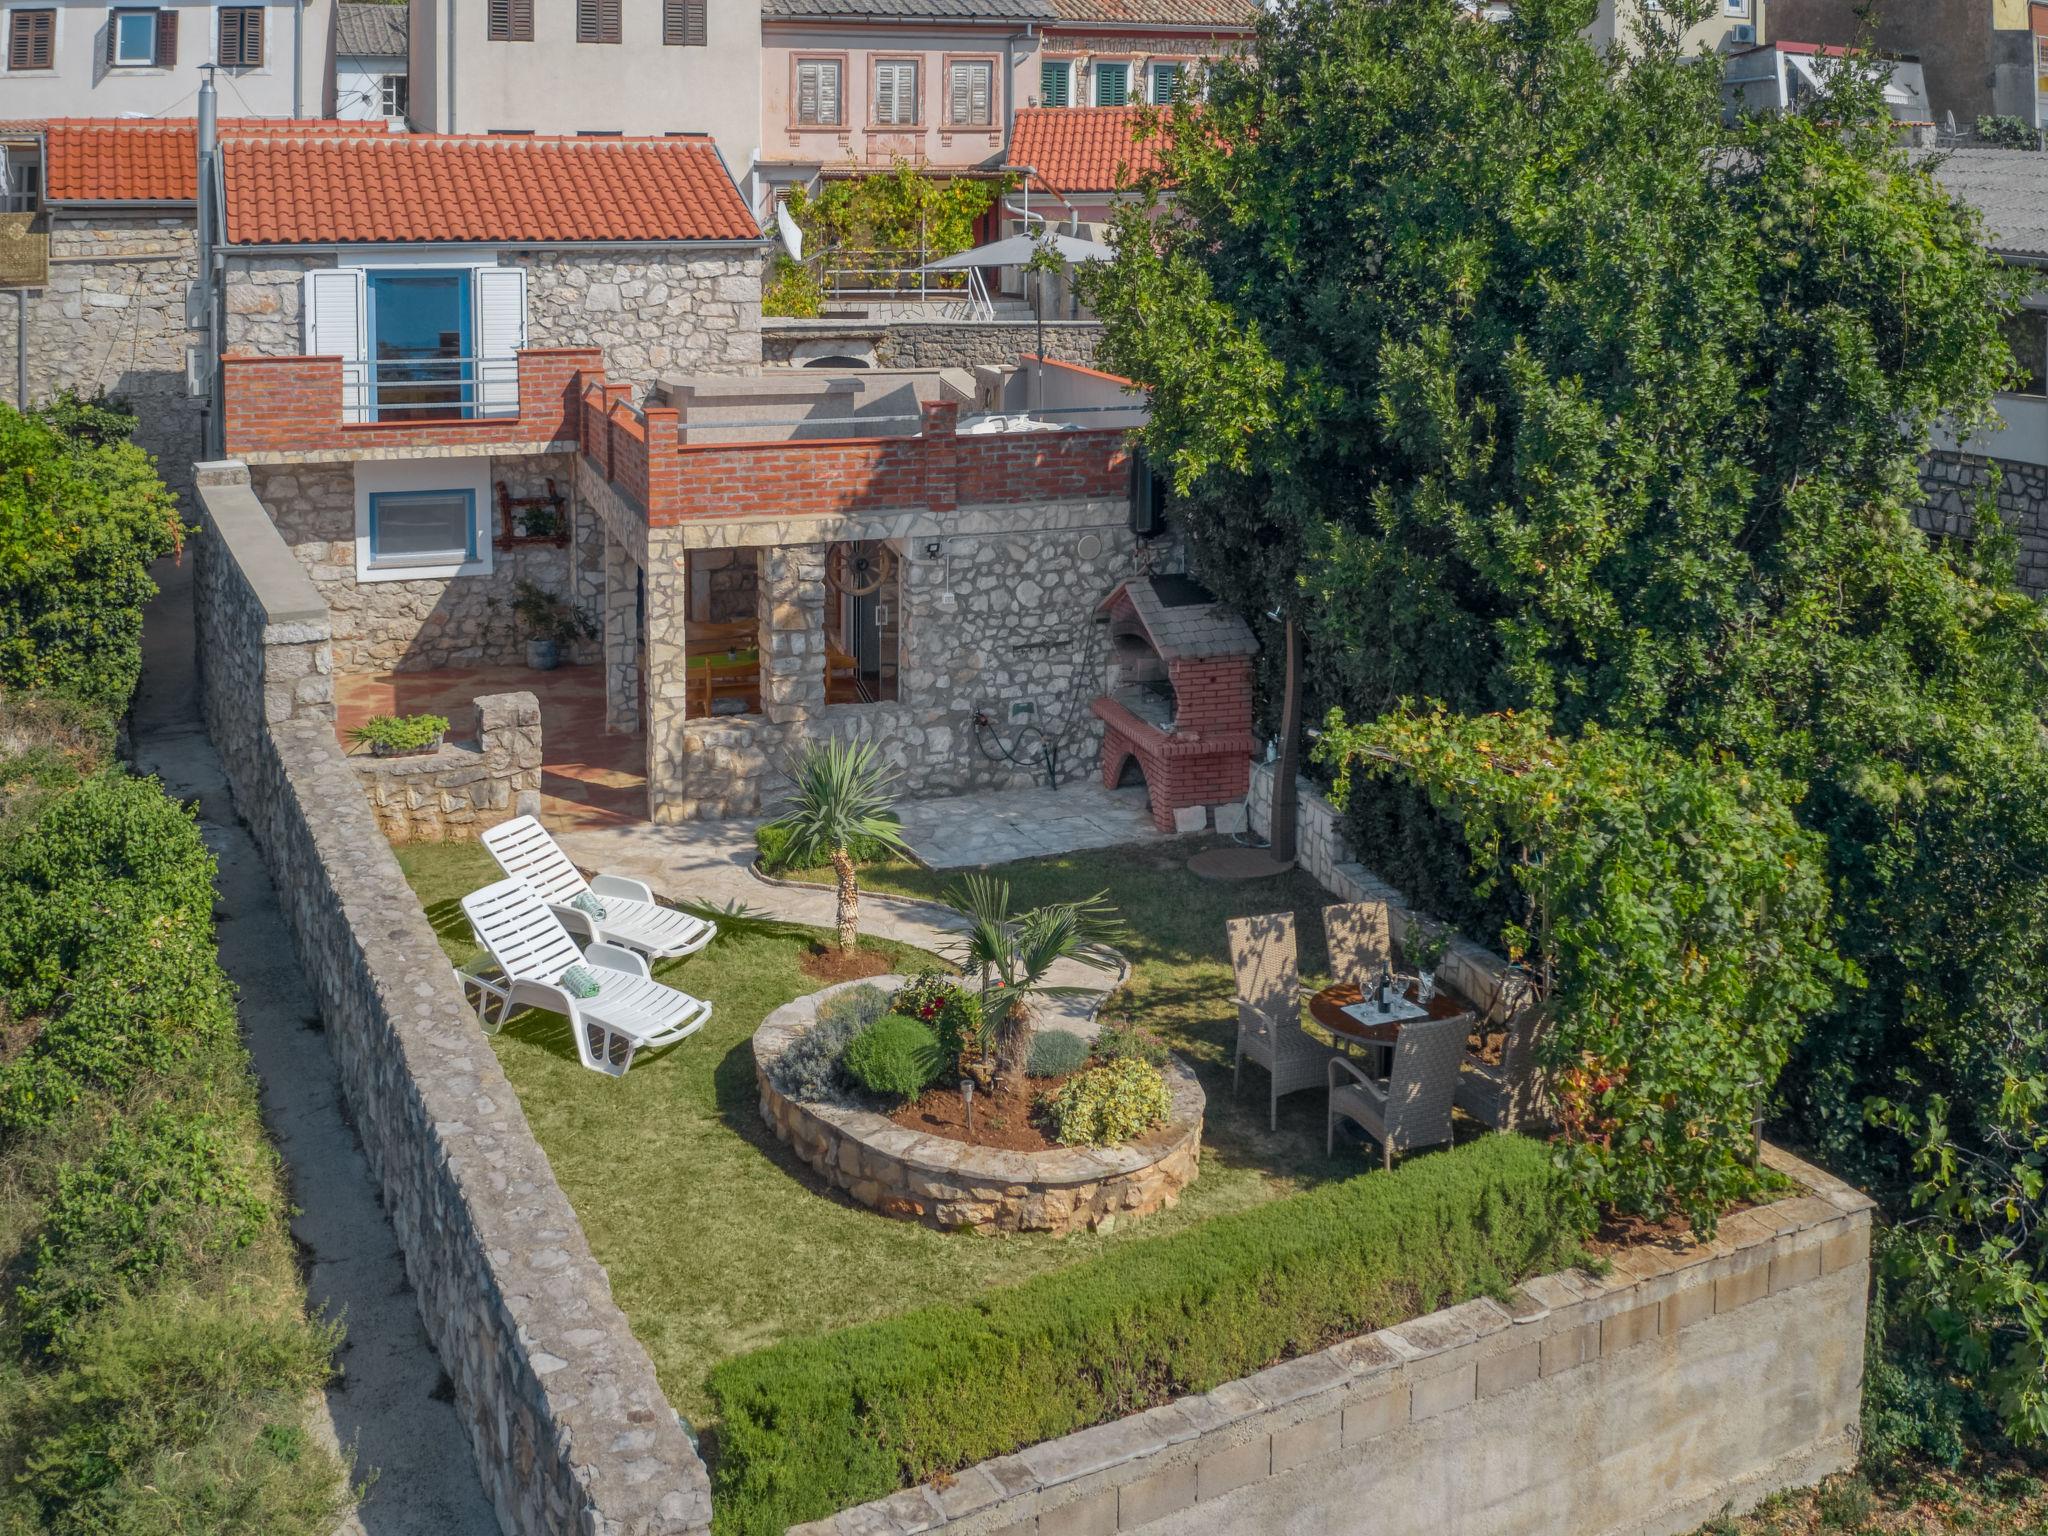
<point>1360,935</point>
<point>1262,953</point>
<point>1412,1108</point>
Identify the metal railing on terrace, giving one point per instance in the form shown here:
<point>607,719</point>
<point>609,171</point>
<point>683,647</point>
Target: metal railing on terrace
<point>867,276</point>
<point>430,389</point>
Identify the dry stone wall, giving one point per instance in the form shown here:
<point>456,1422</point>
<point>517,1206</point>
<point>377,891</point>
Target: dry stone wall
<point>1684,1383</point>
<point>1002,615</point>
<point>569,1427</point>
<point>402,626</point>
<point>113,318</point>
<point>653,313</point>
<point>454,793</point>
<point>1952,484</point>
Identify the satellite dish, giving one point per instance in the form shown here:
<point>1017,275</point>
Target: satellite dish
<point>792,237</point>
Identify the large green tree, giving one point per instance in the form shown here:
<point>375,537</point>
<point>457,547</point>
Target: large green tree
<point>1531,384</point>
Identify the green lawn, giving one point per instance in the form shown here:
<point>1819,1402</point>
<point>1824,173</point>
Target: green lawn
<point>718,1241</point>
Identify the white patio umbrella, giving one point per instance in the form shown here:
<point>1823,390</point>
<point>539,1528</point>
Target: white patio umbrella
<point>1015,251</point>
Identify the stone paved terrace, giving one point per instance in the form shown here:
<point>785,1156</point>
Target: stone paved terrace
<point>999,825</point>
<point>588,777</point>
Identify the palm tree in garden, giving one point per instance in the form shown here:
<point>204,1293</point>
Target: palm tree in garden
<point>1013,952</point>
<point>841,800</point>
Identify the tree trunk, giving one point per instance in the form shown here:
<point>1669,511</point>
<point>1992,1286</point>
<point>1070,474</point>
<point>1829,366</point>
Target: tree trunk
<point>1288,764</point>
<point>1013,1044</point>
<point>849,898</point>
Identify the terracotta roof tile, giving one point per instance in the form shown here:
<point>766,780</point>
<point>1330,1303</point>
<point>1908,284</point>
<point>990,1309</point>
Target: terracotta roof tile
<point>147,159</point>
<point>1234,14</point>
<point>296,190</point>
<point>1083,149</point>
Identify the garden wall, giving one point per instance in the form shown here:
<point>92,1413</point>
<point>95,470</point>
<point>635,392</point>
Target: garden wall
<point>1644,1402</point>
<point>910,342</point>
<point>570,1429</point>
<point>454,793</point>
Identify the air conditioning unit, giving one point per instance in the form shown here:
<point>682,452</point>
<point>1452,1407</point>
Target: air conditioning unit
<point>1743,34</point>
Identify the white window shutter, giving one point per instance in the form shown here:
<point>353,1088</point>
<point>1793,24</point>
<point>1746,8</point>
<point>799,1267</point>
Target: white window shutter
<point>500,295</point>
<point>828,92</point>
<point>885,93</point>
<point>333,315</point>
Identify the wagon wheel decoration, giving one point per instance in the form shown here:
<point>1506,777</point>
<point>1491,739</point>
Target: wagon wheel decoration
<point>859,571</point>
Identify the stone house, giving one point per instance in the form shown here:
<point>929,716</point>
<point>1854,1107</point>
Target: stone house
<point>369,81</point>
<point>406,320</point>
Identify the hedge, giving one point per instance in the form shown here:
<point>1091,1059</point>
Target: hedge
<point>815,1425</point>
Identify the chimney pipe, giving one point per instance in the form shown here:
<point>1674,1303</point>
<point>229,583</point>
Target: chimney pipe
<point>209,144</point>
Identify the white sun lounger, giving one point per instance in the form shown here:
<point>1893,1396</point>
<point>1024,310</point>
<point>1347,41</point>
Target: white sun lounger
<point>630,1012</point>
<point>527,851</point>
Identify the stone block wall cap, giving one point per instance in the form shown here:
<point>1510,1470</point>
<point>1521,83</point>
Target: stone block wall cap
<point>1292,1380</point>
<point>1093,1450</point>
<point>1445,1330</point>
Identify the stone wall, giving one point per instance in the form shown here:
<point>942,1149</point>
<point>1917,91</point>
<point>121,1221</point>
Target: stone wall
<point>1683,1383</point>
<point>402,626</point>
<point>652,311</point>
<point>927,343</point>
<point>1001,616</point>
<point>489,775</point>
<point>569,1427</point>
<point>1952,484</point>
<point>113,318</point>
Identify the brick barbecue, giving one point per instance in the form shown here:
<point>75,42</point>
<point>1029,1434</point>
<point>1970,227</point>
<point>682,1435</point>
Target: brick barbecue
<point>1178,701</point>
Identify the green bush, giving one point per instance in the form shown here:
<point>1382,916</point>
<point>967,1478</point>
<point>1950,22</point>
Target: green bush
<point>795,290</point>
<point>1119,1042</point>
<point>812,1070</point>
<point>82,515</point>
<point>1055,1053</point>
<point>153,1203</point>
<point>400,733</point>
<point>816,1424</point>
<point>181,1414</point>
<point>896,1057</point>
<point>1108,1104</point>
<point>2007,133</point>
<point>771,843</point>
<point>937,999</point>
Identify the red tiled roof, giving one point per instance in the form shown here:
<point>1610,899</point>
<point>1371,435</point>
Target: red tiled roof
<point>146,159</point>
<point>1236,15</point>
<point>295,190</point>
<point>1083,149</point>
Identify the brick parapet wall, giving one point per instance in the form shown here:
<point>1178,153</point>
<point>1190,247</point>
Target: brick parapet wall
<point>293,405</point>
<point>1685,1382</point>
<point>569,1427</point>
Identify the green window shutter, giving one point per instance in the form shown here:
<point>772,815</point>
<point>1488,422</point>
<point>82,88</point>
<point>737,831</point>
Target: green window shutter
<point>1053,80</point>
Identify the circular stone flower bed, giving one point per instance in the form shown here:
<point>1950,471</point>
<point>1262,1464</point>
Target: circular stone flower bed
<point>949,1184</point>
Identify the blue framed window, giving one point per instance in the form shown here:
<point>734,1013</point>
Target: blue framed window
<point>422,528</point>
<point>132,40</point>
<point>421,357</point>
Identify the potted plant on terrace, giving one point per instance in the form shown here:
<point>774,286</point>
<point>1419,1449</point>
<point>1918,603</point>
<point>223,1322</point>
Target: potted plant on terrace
<point>400,735</point>
<point>552,623</point>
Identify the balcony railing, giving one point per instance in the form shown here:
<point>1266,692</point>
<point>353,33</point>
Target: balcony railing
<point>867,276</point>
<point>430,389</point>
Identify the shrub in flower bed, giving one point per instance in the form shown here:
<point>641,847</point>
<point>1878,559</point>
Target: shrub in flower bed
<point>1055,1053</point>
<point>813,1068</point>
<point>1108,1104</point>
<point>397,735</point>
<point>953,1012</point>
<point>817,1424</point>
<point>896,1057</point>
<point>1118,1042</point>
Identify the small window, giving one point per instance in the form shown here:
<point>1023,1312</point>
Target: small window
<point>1112,85</point>
<point>31,39</point>
<point>817,92</point>
<point>510,21</point>
<point>683,24</point>
<point>1165,84</point>
<point>1056,84</point>
<point>422,528</point>
<point>391,96</point>
<point>131,39</point>
<point>241,37</point>
<point>895,100</point>
<point>1735,7</point>
<point>2026,333</point>
<point>970,94</point>
<point>597,21</point>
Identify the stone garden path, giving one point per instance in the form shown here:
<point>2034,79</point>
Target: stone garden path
<point>709,861</point>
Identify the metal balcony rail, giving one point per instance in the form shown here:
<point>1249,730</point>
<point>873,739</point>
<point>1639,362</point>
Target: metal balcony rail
<point>430,388</point>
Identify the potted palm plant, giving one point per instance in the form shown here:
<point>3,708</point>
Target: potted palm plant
<point>840,800</point>
<point>552,624</point>
<point>1013,953</point>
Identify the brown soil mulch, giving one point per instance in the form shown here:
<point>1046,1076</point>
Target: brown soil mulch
<point>823,963</point>
<point>1002,1121</point>
<point>1489,1045</point>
